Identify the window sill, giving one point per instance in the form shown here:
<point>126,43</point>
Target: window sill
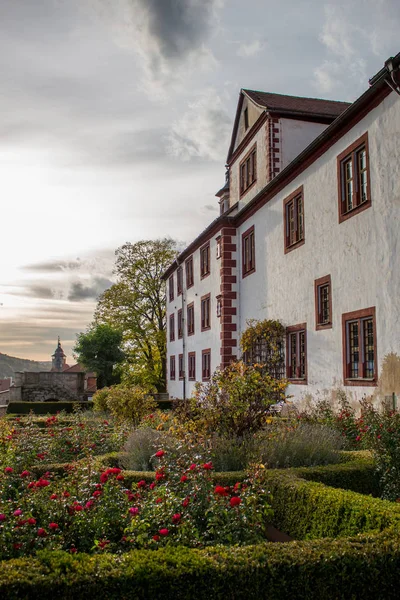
<point>248,272</point>
<point>354,211</point>
<point>189,286</point>
<point>204,275</point>
<point>244,192</point>
<point>294,246</point>
<point>206,328</point>
<point>361,382</point>
<point>297,381</point>
<point>320,326</point>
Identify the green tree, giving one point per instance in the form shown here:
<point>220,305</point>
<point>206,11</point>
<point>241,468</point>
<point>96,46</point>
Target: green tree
<point>136,306</point>
<point>99,349</point>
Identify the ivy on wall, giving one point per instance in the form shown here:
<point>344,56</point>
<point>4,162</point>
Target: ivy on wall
<point>263,343</point>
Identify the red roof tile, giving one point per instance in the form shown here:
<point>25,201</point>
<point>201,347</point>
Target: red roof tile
<point>297,104</point>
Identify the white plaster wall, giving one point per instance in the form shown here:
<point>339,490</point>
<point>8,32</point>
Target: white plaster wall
<point>234,181</point>
<point>361,255</point>
<point>295,136</point>
<point>201,340</point>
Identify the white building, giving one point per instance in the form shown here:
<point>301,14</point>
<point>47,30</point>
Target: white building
<point>308,234</point>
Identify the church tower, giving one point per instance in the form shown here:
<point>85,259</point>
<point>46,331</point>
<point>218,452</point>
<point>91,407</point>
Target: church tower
<point>59,358</point>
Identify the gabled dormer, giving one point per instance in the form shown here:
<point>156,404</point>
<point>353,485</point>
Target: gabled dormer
<point>269,131</point>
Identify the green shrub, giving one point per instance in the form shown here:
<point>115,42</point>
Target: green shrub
<point>139,449</point>
<point>231,453</point>
<point>131,403</point>
<point>284,445</point>
<point>364,568</point>
<point>46,408</point>
<point>234,402</point>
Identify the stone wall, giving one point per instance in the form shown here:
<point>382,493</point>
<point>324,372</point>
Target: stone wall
<point>47,386</point>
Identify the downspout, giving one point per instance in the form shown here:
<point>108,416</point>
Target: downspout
<point>394,73</point>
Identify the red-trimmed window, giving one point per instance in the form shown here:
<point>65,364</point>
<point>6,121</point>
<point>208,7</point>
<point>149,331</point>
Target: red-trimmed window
<point>189,272</point>
<point>323,303</point>
<point>219,306</point>
<point>171,288</point>
<point>293,209</point>
<point>172,327</point>
<point>353,179</point>
<point>192,365</point>
<point>359,347</point>
<point>172,367</point>
<point>179,280</point>
<point>190,318</point>
<point>206,364</point>
<point>205,312</point>
<point>218,246</point>
<point>205,260</point>
<point>180,366</point>
<point>248,252</point>
<point>296,353</point>
<point>180,324</point>
<point>248,170</point>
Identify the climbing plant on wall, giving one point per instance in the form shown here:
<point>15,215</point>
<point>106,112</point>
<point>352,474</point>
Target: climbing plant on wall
<point>263,343</point>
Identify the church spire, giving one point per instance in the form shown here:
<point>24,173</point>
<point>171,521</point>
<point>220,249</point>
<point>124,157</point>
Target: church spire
<point>59,358</point>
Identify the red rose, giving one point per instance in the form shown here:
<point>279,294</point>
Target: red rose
<point>156,538</point>
<point>42,532</point>
<point>8,470</point>
<point>160,453</point>
<point>53,526</point>
<point>192,467</point>
<point>207,466</point>
<point>78,507</point>
<point>160,475</point>
<point>185,502</point>
<point>53,497</point>
<point>221,491</point>
<point>158,500</point>
<point>141,483</point>
<point>183,478</point>
<point>32,521</point>
<point>25,474</point>
<point>152,485</point>
<point>31,484</point>
<point>163,531</point>
<point>120,477</point>
<point>176,518</point>
<point>96,494</point>
<point>235,501</point>
<point>66,494</point>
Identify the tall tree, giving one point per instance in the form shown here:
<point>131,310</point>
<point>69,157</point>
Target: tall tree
<point>136,305</point>
<point>99,349</point>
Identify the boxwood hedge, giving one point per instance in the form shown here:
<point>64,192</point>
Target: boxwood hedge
<point>347,547</point>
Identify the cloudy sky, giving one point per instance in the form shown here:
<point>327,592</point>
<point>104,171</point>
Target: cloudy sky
<point>114,125</point>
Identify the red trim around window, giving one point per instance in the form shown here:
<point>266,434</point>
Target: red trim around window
<point>172,327</point>
<point>351,155</point>
<point>171,287</point>
<point>319,286</point>
<point>206,364</point>
<point>192,366</point>
<point>190,318</point>
<point>359,316</point>
<point>180,366</point>
<point>294,236</point>
<point>189,272</point>
<point>172,367</point>
<point>205,312</point>
<point>205,260</point>
<point>248,252</point>
<point>293,371</point>
<point>180,324</point>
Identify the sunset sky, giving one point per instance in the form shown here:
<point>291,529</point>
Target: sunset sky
<point>115,117</point>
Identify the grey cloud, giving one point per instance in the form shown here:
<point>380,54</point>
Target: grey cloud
<point>79,291</point>
<point>51,266</point>
<point>210,207</point>
<point>178,25</point>
<point>36,291</point>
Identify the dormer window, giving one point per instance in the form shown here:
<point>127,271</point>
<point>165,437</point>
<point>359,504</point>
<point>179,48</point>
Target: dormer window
<point>246,118</point>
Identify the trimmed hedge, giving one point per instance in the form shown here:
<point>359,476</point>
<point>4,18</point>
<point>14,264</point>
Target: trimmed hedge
<point>364,567</point>
<point>359,566</point>
<point>45,408</point>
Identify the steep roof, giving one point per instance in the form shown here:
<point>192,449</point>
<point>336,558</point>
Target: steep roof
<point>297,104</point>
<point>316,109</point>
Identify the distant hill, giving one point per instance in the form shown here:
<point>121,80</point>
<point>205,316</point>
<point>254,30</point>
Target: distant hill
<point>9,365</point>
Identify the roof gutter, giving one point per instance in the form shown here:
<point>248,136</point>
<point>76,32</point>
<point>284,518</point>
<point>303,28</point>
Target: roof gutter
<point>390,73</point>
